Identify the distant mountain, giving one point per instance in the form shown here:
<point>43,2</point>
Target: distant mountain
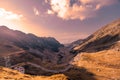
<point>105,38</point>
<point>74,43</point>
<point>28,41</point>
<point>20,48</point>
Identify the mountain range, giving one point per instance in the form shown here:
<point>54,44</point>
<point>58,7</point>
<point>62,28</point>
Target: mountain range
<point>22,47</point>
<point>28,41</point>
<point>96,57</point>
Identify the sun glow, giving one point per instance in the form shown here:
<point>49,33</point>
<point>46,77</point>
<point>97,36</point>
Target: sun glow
<point>19,22</point>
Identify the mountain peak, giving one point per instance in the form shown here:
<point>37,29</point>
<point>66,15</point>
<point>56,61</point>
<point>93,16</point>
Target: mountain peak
<point>4,27</point>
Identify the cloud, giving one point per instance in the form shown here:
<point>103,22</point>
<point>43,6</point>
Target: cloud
<point>77,9</point>
<point>36,11</point>
<point>50,12</point>
<point>46,1</point>
<point>8,15</point>
<point>11,19</point>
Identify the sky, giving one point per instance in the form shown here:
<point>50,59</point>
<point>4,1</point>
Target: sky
<point>65,20</point>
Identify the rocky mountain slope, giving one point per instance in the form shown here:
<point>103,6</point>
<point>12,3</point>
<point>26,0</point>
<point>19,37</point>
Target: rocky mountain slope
<point>28,41</point>
<point>100,53</point>
<point>22,47</point>
<point>102,39</point>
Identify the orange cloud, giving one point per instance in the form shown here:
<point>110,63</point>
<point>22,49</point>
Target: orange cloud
<point>50,12</point>
<point>81,9</point>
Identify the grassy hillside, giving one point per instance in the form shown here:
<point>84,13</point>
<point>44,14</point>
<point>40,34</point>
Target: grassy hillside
<point>8,74</point>
<point>105,65</point>
<point>99,54</point>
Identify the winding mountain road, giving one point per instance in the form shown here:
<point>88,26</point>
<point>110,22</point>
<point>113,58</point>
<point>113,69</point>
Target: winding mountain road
<point>35,65</point>
<point>44,69</point>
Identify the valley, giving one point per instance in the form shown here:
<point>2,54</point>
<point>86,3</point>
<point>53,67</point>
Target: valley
<point>96,57</point>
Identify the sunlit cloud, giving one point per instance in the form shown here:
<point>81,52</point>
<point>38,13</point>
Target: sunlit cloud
<point>36,11</point>
<point>10,19</point>
<point>77,9</point>
<point>50,12</point>
<point>8,15</point>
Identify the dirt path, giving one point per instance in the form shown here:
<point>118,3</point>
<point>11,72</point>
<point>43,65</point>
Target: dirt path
<point>44,69</point>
